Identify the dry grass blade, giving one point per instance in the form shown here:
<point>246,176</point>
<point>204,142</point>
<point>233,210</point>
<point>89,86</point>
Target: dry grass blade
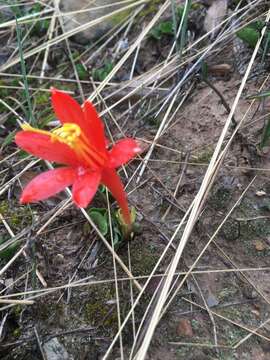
<point>66,35</point>
<point>16,302</point>
<point>131,50</point>
<point>116,283</point>
<point>208,179</point>
<point>89,282</point>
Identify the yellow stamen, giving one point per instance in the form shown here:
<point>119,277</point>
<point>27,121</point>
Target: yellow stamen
<point>28,127</point>
<point>71,135</point>
<point>68,134</point>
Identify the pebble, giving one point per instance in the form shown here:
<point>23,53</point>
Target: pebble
<point>184,328</point>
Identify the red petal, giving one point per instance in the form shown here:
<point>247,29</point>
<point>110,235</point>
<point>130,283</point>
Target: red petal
<point>85,187</point>
<point>41,146</point>
<point>113,182</point>
<point>47,184</point>
<point>66,109</point>
<point>94,127</point>
<point>123,151</point>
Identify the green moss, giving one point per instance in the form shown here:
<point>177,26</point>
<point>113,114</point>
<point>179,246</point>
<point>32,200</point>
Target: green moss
<point>231,230</point>
<point>42,98</point>
<point>251,230</point>
<point>234,334</point>
<point>204,156</point>
<point>99,310</point>
<point>17,333</point>
<point>4,207</point>
<point>3,89</point>
<point>239,314</point>
<point>121,16</point>
<point>17,309</point>
<point>46,310</point>
<point>143,260</point>
<point>16,217</point>
<point>226,294</point>
<point>220,198</point>
<point>150,8</point>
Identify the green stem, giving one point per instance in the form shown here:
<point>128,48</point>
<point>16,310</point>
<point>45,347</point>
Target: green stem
<point>23,69</point>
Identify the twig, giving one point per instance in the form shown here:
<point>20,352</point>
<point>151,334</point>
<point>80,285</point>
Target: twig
<point>44,357</point>
<point>208,311</point>
<point>222,99</point>
<point>16,302</point>
<point>178,185</point>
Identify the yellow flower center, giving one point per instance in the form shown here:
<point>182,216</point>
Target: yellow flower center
<point>68,134</point>
<point>72,135</point>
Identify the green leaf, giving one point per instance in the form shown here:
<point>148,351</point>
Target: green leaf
<point>8,140</point>
<point>125,228</point>
<point>259,96</point>
<point>117,236</point>
<point>257,25</point>
<point>108,67</point>
<point>166,27</point>
<point>10,251</point>
<point>42,98</point>
<point>266,45</point>
<point>100,221</point>
<point>102,73</point>
<point>204,70</point>
<point>180,11</point>
<point>249,35</point>
<point>82,73</point>
<point>156,33</point>
<point>102,188</point>
<point>266,135</point>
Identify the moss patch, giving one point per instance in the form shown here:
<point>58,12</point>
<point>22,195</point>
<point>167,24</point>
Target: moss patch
<point>100,310</point>
<point>143,259</point>
<point>16,217</point>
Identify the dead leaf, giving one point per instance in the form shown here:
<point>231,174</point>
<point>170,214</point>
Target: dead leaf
<point>220,70</point>
<point>215,15</point>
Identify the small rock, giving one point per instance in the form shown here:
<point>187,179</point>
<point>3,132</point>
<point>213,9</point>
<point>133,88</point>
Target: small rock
<point>260,193</point>
<point>259,245</point>
<point>249,292</point>
<point>123,44</point>
<point>184,328</point>
<point>73,19</point>
<point>59,259</point>
<point>54,350</point>
<point>212,300</point>
<point>256,313</point>
<point>9,282</point>
<point>215,15</point>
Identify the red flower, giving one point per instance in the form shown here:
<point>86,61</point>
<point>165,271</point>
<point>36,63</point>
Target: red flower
<point>80,144</point>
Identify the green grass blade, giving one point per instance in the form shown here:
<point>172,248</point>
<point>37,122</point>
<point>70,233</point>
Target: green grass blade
<point>30,114</point>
